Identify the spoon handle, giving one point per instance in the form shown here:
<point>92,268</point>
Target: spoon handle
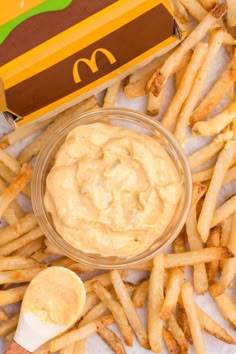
<point>15,348</point>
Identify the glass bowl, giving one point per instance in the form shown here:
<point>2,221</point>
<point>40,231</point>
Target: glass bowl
<point>137,122</point>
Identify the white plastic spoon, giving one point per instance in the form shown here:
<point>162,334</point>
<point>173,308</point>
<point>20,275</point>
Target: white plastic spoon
<point>53,302</point>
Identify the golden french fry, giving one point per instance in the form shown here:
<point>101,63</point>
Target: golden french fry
<point>205,153</point>
<point>204,255</point>
<point>170,342</point>
<point>111,94</point>
<point>91,301</point>
<point>116,310</point>
<point>30,249</point>
<point>16,263</point>
<point>129,309</point>
<point>21,241</point>
<point>79,334</point>
<point>209,204</point>
<point>172,293</point>
<point>40,256</point>
<point>8,326</point>
<point>192,315</point>
<point>13,213</point>
<point>9,161</point>
<point>12,295</point>
<point>215,95</point>
<point>97,311</point>
<point>170,117</point>
<point>231,13</point>
<point>213,328</point>
<point>203,175</point>
<point>226,230</point>
<point>193,98</point>
<point>226,307</point>
<point>195,9</point>
<point>21,133</point>
<point>140,294</point>
<point>68,349</point>
<point>112,340</point>
<point>104,279</point>
<point>158,80</point>
<point>9,176</point>
<point>12,232</point>
<point>51,248</point>
<point>179,243</point>
<point>155,300</point>
<point>182,321</point>
<point>3,315</point>
<point>213,241</point>
<point>180,12</point>
<point>229,268</point>
<point>79,347</point>
<point>15,188</point>
<point>154,103</point>
<point>69,114</point>
<point>178,334</point>
<point>224,211</point>
<point>19,276</point>
<point>195,243</point>
<point>230,175</point>
<point>179,77</point>
<point>216,124</point>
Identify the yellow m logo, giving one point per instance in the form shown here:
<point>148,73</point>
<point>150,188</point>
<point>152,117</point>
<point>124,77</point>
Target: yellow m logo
<point>92,63</point>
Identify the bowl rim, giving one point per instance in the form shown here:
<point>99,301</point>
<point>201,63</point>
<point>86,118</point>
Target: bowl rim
<point>44,155</point>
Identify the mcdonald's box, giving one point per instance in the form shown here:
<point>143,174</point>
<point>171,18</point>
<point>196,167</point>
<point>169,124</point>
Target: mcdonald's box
<point>54,53</point>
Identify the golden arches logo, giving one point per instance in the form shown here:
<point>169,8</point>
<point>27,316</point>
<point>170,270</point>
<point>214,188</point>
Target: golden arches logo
<point>91,63</point>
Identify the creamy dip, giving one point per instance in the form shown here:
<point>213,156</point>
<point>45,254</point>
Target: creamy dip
<point>111,191</point>
<point>56,295</point>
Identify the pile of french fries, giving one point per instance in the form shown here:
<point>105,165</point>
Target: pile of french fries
<point>207,243</point>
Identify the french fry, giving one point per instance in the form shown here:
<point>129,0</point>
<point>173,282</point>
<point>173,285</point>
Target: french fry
<point>112,340</point>
<point>19,276</point>
<point>51,248</point>
<point>21,133</point>
<point>104,279</point>
<point>226,307</point>
<point>40,256</point>
<point>79,334</point>
<point>213,241</point>
<point>203,175</point>
<point>159,78</point>
<point>209,204</point>
<point>225,210</point>
<point>15,188</point>
<point>182,321</point>
<point>226,226</point>
<point>8,326</point>
<point>68,349</point>
<point>204,255</point>
<point>199,271</point>
<point>69,114</point>
<point>13,213</point>
<point>215,95</point>
<point>140,294</point>
<point>21,241</point>
<point>208,151</point>
<point>129,309</point>
<point>155,300</point>
<point>111,94</point>
<point>192,315</point>
<point>154,103</point>
<point>9,161</point>
<point>172,293</point>
<point>193,98</point>
<point>179,77</point>
<point>97,311</point>
<point>3,315</point>
<point>170,117</point>
<point>180,12</point>
<point>229,268</point>
<point>12,232</point>
<point>12,295</point>
<point>79,347</point>
<point>230,175</point>
<point>30,249</point>
<point>231,13</point>
<point>8,176</point>
<point>170,342</point>
<point>178,334</point>
<point>16,263</point>
<point>179,243</point>
<point>91,301</point>
<point>116,310</point>
<point>216,124</point>
<point>213,328</point>
<point>195,9</point>
<point>208,4</point>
